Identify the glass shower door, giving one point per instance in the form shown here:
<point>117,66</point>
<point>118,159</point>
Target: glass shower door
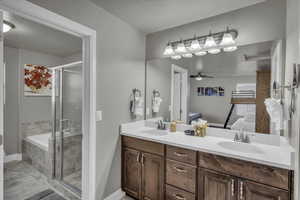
<point>68,103</point>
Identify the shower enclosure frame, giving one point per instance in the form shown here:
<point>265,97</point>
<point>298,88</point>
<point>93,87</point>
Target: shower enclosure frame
<point>43,16</point>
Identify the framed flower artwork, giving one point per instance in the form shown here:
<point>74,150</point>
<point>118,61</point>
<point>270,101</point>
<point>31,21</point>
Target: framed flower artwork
<point>37,80</point>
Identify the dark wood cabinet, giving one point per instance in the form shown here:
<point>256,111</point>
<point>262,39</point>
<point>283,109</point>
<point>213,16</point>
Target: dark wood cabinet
<point>152,177</point>
<point>254,191</point>
<point>143,169</point>
<point>153,171</point>
<point>131,172</point>
<point>216,186</point>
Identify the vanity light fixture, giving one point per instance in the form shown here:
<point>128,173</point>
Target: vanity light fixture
<point>187,55</point>
<point>169,50</point>
<point>212,43</point>
<point>181,48</point>
<point>176,57</point>
<point>201,53</point>
<point>7,26</point>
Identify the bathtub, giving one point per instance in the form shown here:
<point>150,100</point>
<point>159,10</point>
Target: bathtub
<point>42,140</point>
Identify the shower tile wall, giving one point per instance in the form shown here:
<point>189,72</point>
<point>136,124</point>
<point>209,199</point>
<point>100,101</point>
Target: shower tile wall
<point>35,128</point>
<point>37,157</point>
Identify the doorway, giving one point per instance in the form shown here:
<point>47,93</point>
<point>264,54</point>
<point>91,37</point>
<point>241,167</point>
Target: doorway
<point>179,93</point>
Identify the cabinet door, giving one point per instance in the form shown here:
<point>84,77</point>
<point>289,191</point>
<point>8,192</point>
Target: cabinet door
<point>152,177</point>
<point>249,190</point>
<point>216,186</point>
<point>131,180</point>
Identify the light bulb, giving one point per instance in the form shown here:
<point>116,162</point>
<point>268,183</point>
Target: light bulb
<point>227,40</point>
<point>230,49</point>
<point>210,42</point>
<point>176,57</point>
<point>169,50</point>
<point>181,48</point>
<point>187,55</point>
<point>214,51</point>
<point>201,53</point>
<point>195,45</point>
<point>198,78</point>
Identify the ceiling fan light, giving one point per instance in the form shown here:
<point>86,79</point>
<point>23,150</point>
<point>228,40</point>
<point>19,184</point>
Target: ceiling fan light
<point>195,45</point>
<point>187,55</point>
<point>201,53</point>
<point>198,78</point>
<point>180,48</point>
<point>214,51</point>
<point>7,26</point>
<point>176,57</point>
<point>210,42</point>
<point>227,40</point>
<point>230,49</point>
<point>169,50</point>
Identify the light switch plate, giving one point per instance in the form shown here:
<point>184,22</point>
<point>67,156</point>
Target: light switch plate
<point>98,115</point>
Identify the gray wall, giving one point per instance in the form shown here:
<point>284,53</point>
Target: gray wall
<point>35,108</point>
<point>258,23</point>
<point>120,68</point>
<point>292,56</point>
<point>11,108</point>
<point>215,109</point>
<point>159,78</point>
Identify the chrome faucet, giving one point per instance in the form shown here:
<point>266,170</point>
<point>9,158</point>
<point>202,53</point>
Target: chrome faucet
<point>161,125</point>
<point>241,137</point>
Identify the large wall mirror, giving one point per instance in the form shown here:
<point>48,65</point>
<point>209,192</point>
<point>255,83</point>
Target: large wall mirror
<point>227,90</point>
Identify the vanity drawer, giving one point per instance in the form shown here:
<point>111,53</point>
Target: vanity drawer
<point>143,145</point>
<point>268,175</point>
<point>182,155</point>
<point>181,175</point>
<point>173,193</point>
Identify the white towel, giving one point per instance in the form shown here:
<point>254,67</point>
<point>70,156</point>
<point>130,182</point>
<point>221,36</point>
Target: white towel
<point>139,106</point>
<point>275,111</point>
<point>156,101</point>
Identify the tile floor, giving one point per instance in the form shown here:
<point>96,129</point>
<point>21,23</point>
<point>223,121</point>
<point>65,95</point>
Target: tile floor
<point>22,180</point>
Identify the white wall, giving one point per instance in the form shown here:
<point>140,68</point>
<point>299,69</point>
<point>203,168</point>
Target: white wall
<point>120,68</point>
<point>258,23</point>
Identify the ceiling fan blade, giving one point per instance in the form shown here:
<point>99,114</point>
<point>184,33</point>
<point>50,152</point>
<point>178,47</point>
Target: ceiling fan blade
<point>193,76</point>
<point>206,76</point>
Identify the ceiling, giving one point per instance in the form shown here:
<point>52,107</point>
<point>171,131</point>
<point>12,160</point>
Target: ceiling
<point>154,15</point>
<point>37,37</point>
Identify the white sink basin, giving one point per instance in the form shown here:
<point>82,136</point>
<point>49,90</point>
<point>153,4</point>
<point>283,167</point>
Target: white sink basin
<point>156,132</point>
<point>241,147</point>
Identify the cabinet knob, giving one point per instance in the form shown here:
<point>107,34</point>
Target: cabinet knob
<point>179,197</point>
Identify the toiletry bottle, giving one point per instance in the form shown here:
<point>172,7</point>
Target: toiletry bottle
<point>173,126</point>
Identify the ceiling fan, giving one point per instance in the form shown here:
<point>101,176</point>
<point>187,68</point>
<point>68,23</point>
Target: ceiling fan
<point>200,76</point>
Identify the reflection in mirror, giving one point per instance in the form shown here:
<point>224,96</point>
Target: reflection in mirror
<point>227,90</point>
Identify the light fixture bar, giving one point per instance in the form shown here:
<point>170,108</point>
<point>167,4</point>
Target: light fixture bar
<point>217,36</point>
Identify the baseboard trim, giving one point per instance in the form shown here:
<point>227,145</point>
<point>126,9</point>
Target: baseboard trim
<point>12,157</point>
<point>117,195</point>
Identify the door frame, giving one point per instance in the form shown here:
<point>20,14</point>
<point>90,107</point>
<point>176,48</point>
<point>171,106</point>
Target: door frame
<point>176,68</point>
<point>43,16</point>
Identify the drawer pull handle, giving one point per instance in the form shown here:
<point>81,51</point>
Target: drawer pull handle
<point>143,160</point>
<point>279,198</point>
<point>179,197</point>
<point>180,154</point>
<point>232,187</point>
<point>241,190</point>
<point>180,170</point>
<point>138,157</point>
<point>147,198</point>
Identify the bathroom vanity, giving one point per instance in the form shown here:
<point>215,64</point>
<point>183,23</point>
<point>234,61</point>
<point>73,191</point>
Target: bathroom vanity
<point>158,165</point>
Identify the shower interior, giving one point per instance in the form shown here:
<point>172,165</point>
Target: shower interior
<point>66,137</point>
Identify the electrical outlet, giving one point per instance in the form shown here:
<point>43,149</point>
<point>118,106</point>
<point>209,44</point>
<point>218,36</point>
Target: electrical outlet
<point>98,115</point>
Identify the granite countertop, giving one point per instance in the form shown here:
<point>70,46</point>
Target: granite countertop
<point>280,155</point>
